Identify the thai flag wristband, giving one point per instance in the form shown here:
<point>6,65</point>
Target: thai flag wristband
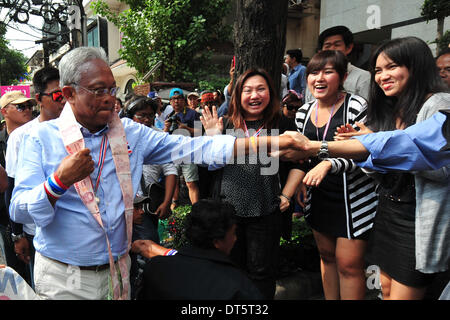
<point>171,252</point>
<point>54,187</point>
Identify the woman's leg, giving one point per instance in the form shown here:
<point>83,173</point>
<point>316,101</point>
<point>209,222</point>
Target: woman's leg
<point>386,281</point>
<point>328,268</point>
<point>350,266</point>
<point>394,290</point>
<point>400,291</point>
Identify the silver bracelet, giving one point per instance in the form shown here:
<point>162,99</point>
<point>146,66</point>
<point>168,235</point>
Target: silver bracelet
<point>285,196</point>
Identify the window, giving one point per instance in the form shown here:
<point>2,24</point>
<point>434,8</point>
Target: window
<point>92,37</point>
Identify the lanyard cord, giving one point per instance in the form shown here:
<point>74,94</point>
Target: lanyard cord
<point>101,161</point>
<point>257,133</point>
<point>329,119</point>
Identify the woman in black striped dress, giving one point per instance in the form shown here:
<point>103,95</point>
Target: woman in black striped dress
<point>339,199</point>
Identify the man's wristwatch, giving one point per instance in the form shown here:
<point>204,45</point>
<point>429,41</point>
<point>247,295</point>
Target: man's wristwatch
<point>323,151</point>
<point>16,237</point>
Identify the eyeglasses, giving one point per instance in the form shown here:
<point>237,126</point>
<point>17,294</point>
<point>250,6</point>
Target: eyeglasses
<point>177,98</point>
<point>56,96</point>
<point>291,107</point>
<point>100,92</point>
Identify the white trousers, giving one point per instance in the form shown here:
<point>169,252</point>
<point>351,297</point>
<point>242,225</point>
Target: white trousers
<point>55,281</point>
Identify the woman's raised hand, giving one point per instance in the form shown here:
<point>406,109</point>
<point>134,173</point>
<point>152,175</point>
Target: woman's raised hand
<point>212,124</point>
<point>345,132</point>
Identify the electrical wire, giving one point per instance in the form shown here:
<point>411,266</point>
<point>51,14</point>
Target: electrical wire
<point>31,35</point>
<point>29,48</point>
<point>20,40</point>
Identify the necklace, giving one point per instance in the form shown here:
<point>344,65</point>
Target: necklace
<point>101,161</point>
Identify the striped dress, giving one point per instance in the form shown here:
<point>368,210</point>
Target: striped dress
<point>346,197</point>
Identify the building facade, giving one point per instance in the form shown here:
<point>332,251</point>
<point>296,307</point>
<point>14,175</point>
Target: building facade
<point>373,21</point>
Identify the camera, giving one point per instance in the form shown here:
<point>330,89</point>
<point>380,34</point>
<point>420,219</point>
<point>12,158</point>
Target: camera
<point>174,124</point>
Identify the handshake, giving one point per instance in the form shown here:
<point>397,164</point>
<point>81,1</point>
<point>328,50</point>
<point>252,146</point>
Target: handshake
<point>300,148</point>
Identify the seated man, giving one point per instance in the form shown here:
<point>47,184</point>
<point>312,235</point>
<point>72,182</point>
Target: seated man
<point>201,270</point>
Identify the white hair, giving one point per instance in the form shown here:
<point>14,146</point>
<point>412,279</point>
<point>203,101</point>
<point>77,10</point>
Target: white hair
<point>71,64</point>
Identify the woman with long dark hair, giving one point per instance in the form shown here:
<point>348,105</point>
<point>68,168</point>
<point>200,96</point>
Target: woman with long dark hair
<point>410,241</point>
<point>252,185</point>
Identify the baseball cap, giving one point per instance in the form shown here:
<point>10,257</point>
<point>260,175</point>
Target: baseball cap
<point>193,94</point>
<point>175,92</point>
<point>14,97</point>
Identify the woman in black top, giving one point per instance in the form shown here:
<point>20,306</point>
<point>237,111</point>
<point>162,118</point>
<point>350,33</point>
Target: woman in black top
<point>252,185</point>
<point>341,201</point>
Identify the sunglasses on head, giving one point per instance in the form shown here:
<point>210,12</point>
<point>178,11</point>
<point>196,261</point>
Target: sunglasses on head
<point>56,96</point>
<point>291,107</point>
<point>21,107</point>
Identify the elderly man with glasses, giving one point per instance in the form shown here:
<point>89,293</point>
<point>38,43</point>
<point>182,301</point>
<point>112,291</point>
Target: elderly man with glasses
<point>77,176</point>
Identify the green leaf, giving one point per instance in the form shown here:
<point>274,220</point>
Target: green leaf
<point>173,31</point>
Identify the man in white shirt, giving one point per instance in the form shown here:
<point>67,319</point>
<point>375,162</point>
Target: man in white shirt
<point>51,102</point>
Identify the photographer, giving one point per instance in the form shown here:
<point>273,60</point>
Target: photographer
<point>183,118</point>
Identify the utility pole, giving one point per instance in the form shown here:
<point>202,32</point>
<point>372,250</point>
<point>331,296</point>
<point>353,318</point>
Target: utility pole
<point>77,23</point>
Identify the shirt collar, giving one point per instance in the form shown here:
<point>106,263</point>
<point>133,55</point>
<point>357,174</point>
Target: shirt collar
<point>86,132</point>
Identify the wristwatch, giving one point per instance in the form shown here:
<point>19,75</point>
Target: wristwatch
<point>16,237</point>
<point>323,151</point>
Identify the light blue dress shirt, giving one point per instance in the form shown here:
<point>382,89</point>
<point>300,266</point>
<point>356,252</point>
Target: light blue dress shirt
<point>68,232</point>
<point>418,147</point>
<point>297,79</point>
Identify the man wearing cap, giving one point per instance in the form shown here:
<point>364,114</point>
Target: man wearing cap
<point>49,96</point>
<point>185,118</point>
<point>16,108</point>
<point>193,100</point>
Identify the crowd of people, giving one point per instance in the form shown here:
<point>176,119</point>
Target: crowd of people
<point>87,181</point>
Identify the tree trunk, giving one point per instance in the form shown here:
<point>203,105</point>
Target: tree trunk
<point>260,36</point>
